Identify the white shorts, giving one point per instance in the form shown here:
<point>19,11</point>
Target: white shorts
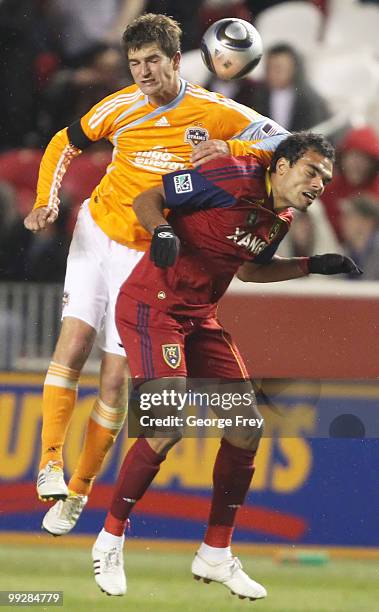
<point>96,268</point>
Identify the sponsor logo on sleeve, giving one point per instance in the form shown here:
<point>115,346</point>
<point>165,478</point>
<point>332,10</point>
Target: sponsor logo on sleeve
<point>274,230</point>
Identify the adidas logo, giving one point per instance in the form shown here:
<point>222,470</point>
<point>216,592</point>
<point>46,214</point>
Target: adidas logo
<point>162,122</point>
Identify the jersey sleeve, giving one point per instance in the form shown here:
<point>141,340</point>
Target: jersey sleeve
<point>260,139</point>
<point>100,121</point>
<point>246,131</point>
<point>265,256</point>
<point>68,143</point>
<point>55,161</point>
<point>191,190</point>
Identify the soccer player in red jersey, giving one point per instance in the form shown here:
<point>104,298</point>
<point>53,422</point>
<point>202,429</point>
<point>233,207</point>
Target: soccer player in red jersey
<point>226,217</point>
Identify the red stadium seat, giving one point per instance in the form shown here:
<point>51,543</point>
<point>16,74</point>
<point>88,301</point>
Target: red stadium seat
<point>19,167</point>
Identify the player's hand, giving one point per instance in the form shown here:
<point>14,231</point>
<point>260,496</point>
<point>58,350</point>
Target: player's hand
<point>333,263</point>
<point>165,246</point>
<point>210,149</point>
<point>39,218</point>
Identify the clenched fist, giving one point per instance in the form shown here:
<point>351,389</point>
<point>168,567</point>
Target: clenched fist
<point>39,218</point>
<point>333,263</point>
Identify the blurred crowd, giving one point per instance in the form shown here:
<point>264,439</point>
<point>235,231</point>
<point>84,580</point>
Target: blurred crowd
<point>59,57</point>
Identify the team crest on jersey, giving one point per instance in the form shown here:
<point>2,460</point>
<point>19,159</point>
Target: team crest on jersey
<point>252,217</point>
<point>171,355</point>
<point>274,230</point>
<point>183,183</point>
<point>194,135</point>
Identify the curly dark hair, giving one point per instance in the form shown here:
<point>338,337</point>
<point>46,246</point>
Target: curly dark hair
<point>294,147</point>
<point>151,28</point>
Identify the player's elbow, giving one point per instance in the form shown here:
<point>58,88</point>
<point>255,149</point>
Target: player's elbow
<point>242,275</point>
<point>138,201</point>
<point>150,197</point>
<point>248,272</point>
<point>141,209</point>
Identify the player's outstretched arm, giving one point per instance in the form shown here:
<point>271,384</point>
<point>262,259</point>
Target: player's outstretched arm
<point>281,268</point>
<point>62,148</point>
<point>55,161</point>
<point>277,269</point>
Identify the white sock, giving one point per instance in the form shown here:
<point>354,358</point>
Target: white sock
<point>214,554</point>
<point>106,540</point>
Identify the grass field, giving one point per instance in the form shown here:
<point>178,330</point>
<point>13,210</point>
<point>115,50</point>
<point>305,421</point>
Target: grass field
<point>162,582</point>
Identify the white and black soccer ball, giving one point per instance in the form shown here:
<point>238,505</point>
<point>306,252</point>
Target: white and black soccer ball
<point>231,48</point>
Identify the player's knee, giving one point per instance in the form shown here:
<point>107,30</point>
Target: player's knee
<point>247,438</point>
<point>113,389</point>
<point>73,355</point>
<point>254,437</point>
<point>163,445</point>
<point>113,383</point>
<point>74,344</point>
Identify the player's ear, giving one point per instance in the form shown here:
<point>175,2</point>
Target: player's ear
<point>176,60</point>
<point>282,165</point>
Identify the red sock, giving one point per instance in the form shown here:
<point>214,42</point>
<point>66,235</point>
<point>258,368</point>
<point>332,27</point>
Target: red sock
<point>138,470</point>
<point>232,474</point>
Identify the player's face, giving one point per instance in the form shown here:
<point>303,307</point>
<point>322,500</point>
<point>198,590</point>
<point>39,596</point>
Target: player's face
<point>299,185</point>
<point>155,73</point>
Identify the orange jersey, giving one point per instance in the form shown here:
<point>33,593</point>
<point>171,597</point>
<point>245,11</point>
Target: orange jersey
<point>148,142</point>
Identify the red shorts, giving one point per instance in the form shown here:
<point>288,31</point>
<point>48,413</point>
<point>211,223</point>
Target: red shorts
<point>161,345</point>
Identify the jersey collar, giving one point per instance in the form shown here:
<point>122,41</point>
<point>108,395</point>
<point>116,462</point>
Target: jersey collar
<point>174,102</point>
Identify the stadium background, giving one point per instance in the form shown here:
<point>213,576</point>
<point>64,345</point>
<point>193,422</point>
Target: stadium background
<point>317,365</point>
<point>311,490</point>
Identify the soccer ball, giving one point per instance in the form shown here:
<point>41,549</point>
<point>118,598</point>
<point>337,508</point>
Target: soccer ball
<point>231,48</point>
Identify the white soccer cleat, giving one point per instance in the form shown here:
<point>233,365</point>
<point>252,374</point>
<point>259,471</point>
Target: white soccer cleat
<point>63,516</point>
<point>230,574</point>
<point>50,483</point>
<point>108,567</point>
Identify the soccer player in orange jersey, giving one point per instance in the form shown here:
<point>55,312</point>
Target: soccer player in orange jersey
<point>160,124</point>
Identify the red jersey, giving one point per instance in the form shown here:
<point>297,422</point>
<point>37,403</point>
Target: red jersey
<point>223,214</point>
